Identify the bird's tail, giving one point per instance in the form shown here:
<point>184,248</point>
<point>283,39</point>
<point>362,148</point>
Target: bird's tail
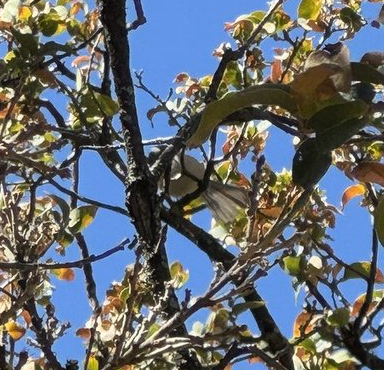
<point>225,200</point>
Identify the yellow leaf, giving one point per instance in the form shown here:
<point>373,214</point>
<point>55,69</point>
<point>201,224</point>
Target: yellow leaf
<point>66,274</point>
<point>15,330</point>
<point>352,192</point>
<point>309,9</point>
<point>24,13</point>
<point>93,364</point>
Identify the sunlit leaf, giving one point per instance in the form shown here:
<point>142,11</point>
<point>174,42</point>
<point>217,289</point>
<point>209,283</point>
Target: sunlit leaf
<point>24,13</point>
<point>15,330</point>
<point>93,363</point>
<point>218,321</point>
<point>153,329</point>
<point>376,299</point>
<point>363,268</point>
<point>108,106</point>
<point>304,323</point>
<point>66,274</point>
<point>339,317</point>
<point>178,274</point>
<point>81,217</point>
<point>309,9</point>
<point>352,192</point>
<point>293,265</point>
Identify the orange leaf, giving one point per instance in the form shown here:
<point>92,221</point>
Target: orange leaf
<point>276,70</point>
<point>24,13</point>
<point>27,317</point>
<point>66,274</point>
<point>369,172</point>
<point>15,330</point>
<point>75,8</point>
<point>304,323</point>
<point>352,192</point>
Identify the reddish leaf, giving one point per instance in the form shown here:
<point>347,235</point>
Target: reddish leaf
<point>369,172</point>
<point>84,333</point>
<point>276,70</point>
<point>181,77</point>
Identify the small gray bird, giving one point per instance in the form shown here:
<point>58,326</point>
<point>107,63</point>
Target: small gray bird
<point>223,200</point>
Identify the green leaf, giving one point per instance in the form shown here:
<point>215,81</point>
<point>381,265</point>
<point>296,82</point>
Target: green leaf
<point>218,321</point>
<point>64,239</point>
<point>217,111</point>
<point>366,73</point>
<point>310,163</point>
<point>244,306</point>
<point>309,9</point>
<point>308,344</point>
<point>153,329</point>
<point>178,274</point>
<point>108,106</point>
<point>379,220</point>
<point>27,42</point>
<point>233,75</point>
<point>339,317</point>
<point>52,47</point>
<point>81,217</point>
<point>63,205</point>
<point>337,136</point>
<point>49,23</point>
<point>328,118</point>
<point>362,268</point>
<point>293,265</point>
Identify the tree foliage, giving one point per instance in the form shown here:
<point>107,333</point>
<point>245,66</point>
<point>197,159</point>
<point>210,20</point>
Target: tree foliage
<point>66,88</point>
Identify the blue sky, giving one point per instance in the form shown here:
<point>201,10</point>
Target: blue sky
<point>180,37</point>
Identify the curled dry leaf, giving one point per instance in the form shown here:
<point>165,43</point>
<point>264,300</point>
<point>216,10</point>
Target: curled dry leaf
<point>369,172</point>
<point>305,322</point>
<point>83,333</point>
<point>352,192</point>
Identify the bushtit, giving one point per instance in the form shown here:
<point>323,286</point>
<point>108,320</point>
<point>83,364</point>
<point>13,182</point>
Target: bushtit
<point>223,200</point>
